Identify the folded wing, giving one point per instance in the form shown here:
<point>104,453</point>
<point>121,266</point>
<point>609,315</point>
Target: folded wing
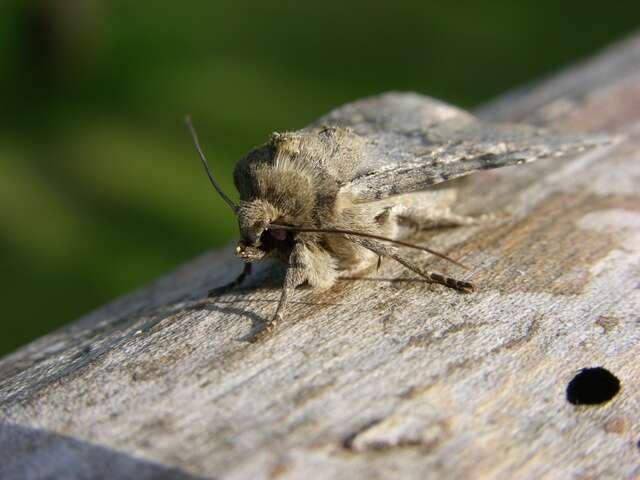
<point>413,142</point>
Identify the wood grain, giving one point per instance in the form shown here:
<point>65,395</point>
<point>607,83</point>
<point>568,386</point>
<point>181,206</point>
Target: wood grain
<point>384,377</point>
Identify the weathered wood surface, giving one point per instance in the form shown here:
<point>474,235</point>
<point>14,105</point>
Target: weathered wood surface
<point>376,378</point>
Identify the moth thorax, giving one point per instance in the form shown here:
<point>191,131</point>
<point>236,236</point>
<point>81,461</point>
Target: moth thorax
<point>289,190</point>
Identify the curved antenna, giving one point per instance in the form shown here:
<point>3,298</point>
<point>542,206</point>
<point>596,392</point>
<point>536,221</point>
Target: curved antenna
<point>194,136</point>
<point>368,235</point>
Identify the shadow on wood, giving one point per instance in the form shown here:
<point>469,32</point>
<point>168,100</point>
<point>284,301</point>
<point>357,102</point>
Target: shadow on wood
<point>37,454</point>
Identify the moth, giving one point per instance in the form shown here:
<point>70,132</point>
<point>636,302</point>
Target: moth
<point>334,198</point>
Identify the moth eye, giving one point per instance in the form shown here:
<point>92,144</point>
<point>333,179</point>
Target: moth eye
<point>278,234</point>
<point>259,228</point>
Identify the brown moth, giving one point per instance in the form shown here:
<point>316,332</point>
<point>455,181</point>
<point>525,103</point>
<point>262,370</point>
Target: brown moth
<point>335,197</point>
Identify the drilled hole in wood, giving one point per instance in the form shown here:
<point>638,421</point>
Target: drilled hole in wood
<point>592,386</point>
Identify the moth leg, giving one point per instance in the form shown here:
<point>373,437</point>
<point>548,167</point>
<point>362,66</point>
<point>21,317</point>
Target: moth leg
<point>430,209</point>
<point>296,275</point>
<point>246,271</point>
<point>436,277</point>
<point>432,277</point>
<point>432,217</point>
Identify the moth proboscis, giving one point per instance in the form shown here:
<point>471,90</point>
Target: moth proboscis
<point>335,197</point>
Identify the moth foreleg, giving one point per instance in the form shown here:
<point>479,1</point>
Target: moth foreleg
<point>296,275</point>
<point>246,271</point>
<point>433,277</point>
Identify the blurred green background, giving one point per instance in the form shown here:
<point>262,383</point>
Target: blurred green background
<point>101,190</point>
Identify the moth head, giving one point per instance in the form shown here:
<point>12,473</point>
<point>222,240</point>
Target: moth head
<point>247,248</point>
<point>259,238</point>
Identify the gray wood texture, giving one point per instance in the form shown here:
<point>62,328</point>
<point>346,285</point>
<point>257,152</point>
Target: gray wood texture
<point>385,377</point>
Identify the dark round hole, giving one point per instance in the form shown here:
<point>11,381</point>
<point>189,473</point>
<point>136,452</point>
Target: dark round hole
<point>592,386</point>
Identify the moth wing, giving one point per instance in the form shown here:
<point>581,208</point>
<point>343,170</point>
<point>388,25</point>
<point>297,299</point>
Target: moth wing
<point>412,142</point>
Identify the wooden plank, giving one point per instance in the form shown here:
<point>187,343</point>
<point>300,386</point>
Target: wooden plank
<point>379,378</point>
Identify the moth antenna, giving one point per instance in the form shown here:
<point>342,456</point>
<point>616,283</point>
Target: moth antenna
<point>369,235</point>
<point>194,136</point>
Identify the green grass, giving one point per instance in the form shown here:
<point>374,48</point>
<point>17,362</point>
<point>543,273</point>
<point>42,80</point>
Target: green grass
<point>101,189</point>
